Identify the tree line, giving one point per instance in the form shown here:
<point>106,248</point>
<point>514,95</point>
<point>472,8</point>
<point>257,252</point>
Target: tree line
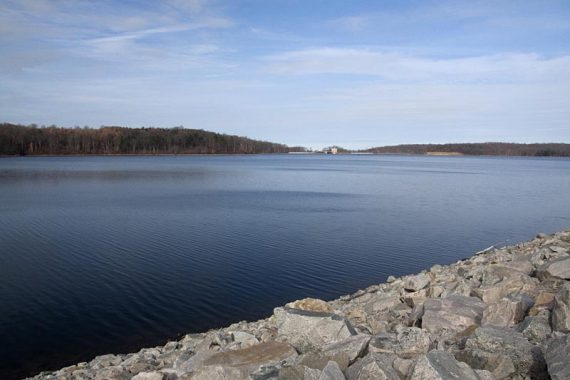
<point>33,140</point>
<point>478,149</point>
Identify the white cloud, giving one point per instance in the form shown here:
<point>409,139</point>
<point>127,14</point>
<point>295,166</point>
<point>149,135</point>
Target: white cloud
<point>406,68</point>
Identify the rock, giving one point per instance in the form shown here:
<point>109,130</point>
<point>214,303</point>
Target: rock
<point>244,339</point>
<point>218,372</point>
<point>296,372</point>
<point>244,361</point>
<point>113,372</point>
<point>407,343</point>
<point>105,361</point>
<point>332,372</point>
<point>373,366</point>
<point>508,311</point>
<point>454,313</point>
<point>403,366</point>
<point>381,303</point>
<point>435,291</point>
<point>544,300</point>
<point>559,268</point>
<point>440,365</point>
<point>557,356</point>
<point>500,282</point>
<point>148,376</point>
<point>390,279</point>
<point>307,331</point>
<point>353,347</point>
<point>193,362</point>
<point>310,304</point>
<point>519,265</point>
<point>536,328</point>
<point>503,352</point>
<point>343,353</point>
<point>561,309</point>
<point>417,282</point>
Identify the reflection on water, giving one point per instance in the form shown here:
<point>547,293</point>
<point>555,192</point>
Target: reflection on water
<point>109,254</point>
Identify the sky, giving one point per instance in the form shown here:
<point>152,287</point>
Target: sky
<point>311,72</point>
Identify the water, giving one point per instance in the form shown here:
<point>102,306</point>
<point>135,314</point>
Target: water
<point>110,254</point>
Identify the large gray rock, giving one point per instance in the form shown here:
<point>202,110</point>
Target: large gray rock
<point>499,282</point>
<point>536,328</point>
<point>519,265</point>
<point>296,372</point>
<point>239,364</point>
<point>352,347</point>
<point>454,313</point>
<point>148,376</point>
<point>441,365</point>
<point>417,282</point>
<point>504,352</point>
<point>561,309</point>
<point>343,353</point>
<point>558,357</point>
<point>407,343</point>
<point>332,372</point>
<point>307,331</point>
<point>373,366</point>
<point>559,268</point>
<point>105,361</point>
<point>508,311</point>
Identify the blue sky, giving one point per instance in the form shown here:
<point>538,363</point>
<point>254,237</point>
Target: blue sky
<point>312,73</point>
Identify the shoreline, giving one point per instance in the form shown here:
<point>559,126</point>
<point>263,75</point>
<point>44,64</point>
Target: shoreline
<point>429,154</point>
<point>501,313</point>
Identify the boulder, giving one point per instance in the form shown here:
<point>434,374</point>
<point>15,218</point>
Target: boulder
<point>557,356</point>
<point>218,372</point>
<point>441,365</point>
<point>239,364</point>
<point>296,372</point>
<point>519,265</point>
<point>343,353</point>
<point>332,372</point>
<point>148,376</point>
<point>417,282</point>
<point>561,309</point>
<point>307,330</point>
<point>244,339</point>
<point>118,372</point>
<point>504,352</point>
<point>509,282</point>
<point>407,343</point>
<point>105,361</point>
<point>558,268</point>
<point>373,366</point>
<point>536,328</point>
<point>310,304</point>
<point>508,311</point>
<point>544,300</point>
<point>454,313</point>
<point>380,303</point>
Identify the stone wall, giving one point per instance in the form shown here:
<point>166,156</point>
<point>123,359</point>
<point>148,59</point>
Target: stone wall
<point>501,314</point>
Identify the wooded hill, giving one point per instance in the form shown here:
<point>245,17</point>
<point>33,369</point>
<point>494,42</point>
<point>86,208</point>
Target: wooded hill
<point>30,140</point>
<point>478,149</point>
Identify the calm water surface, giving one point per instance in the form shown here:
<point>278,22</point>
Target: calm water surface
<point>110,254</point>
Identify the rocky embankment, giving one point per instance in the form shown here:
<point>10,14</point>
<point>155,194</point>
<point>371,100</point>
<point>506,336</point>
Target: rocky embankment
<point>501,314</point>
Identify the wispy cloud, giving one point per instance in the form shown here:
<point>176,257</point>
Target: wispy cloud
<point>407,68</point>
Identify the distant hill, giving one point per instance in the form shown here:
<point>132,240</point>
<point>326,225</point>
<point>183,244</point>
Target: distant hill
<point>33,140</point>
<point>477,149</point>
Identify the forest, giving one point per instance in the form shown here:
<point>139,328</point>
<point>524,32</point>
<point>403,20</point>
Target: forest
<point>33,140</point>
<point>478,149</point>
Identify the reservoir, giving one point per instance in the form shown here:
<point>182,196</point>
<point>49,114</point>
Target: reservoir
<point>111,254</point>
